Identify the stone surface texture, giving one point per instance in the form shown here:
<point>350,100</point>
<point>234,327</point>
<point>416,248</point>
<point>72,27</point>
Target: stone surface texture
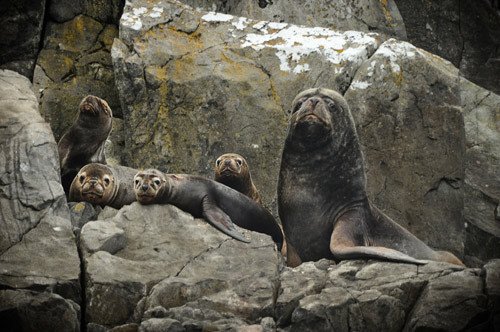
<point>37,246</point>
<point>22,23</point>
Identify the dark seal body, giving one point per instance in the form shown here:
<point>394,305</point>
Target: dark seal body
<point>322,200</point>
<point>83,142</point>
<point>205,198</point>
<point>104,185</point>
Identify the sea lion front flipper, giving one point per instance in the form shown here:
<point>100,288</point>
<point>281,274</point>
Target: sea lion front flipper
<point>349,237</point>
<point>220,220</point>
<point>381,253</point>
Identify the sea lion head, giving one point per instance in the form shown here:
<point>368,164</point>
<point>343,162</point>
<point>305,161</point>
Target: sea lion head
<point>95,107</point>
<point>318,117</point>
<point>94,183</point>
<point>231,166</point>
<point>149,185</point>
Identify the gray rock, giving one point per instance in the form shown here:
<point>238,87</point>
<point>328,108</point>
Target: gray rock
<point>37,246</point>
<point>492,271</point>
<point>174,261</point>
<point>22,22</point>
<point>449,303</point>
<point>482,179</point>
<point>161,324</point>
<point>22,310</point>
<point>81,213</point>
<point>465,32</point>
<point>102,236</point>
<point>407,108</point>
<point>65,10</point>
<point>365,15</point>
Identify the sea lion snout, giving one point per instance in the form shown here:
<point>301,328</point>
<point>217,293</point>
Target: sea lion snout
<point>144,187</point>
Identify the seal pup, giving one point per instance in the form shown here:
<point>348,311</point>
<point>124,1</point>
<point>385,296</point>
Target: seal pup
<point>322,200</point>
<point>203,198</point>
<point>232,170</point>
<point>104,185</point>
<point>83,142</point>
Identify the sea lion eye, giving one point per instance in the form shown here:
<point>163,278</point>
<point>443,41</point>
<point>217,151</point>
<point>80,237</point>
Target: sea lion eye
<point>136,182</point>
<point>157,181</point>
<point>239,162</point>
<point>106,180</point>
<point>82,178</point>
<point>298,104</point>
<point>217,162</point>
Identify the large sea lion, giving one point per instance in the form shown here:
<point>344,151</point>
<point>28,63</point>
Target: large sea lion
<point>83,142</point>
<point>322,200</point>
<point>232,170</point>
<point>203,198</point>
<point>104,185</point>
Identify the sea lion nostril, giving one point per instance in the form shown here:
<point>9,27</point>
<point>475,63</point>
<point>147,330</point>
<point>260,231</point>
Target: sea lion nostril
<point>144,187</point>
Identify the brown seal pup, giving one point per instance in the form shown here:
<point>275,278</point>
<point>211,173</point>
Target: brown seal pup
<point>83,142</point>
<point>204,198</point>
<point>104,185</point>
<point>232,170</point>
<point>322,200</point>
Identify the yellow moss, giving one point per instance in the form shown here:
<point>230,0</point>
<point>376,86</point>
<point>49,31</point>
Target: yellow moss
<point>387,12</point>
<point>79,207</point>
<point>276,41</point>
<point>398,78</point>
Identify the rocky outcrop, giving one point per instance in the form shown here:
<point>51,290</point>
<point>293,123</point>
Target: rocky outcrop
<point>168,54</point>
<point>367,15</point>
<point>158,262</point>
<point>37,247</point>
<point>155,268</point>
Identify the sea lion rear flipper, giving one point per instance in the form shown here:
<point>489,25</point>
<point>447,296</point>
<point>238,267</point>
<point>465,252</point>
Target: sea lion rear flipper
<point>220,220</point>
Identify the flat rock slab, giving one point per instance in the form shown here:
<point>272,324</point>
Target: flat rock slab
<point>158,255</point>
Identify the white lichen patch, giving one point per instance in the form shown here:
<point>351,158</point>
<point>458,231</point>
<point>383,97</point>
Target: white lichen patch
<point>294,43</point>
<point>359,85</point>
<point>241,23</point>
<point>217,17</point>
<point>57,229</point>
<point>156,12</point>
<point>133,19</point>
<point>395,51</point>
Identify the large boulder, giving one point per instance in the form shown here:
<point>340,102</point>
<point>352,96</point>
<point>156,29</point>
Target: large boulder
<point>158,262</point>
<point>195,85</point>
<point>365,15</point>
<point>37,246</point>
